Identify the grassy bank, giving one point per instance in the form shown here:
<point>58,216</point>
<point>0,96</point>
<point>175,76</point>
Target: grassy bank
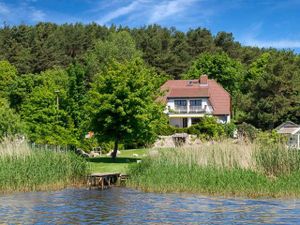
<point>24,169</point>
<point>105,164</point>
<point>226,168</point>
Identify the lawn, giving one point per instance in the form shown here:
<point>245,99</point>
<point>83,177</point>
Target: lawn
<point>106,164</point>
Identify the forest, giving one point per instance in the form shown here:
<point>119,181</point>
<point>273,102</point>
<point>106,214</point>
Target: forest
<point>58,82</point>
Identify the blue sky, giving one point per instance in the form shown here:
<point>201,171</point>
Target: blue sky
<point>262,23</point>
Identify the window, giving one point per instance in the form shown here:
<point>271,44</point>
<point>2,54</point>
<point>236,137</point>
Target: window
<point>195,102</point>
<point>195,120</point>
<point>180,102</point>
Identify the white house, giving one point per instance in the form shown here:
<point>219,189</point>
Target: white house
<point>189,100</point>
<point>292,131</point>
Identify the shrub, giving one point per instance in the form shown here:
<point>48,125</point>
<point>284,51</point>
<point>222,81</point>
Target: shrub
<point>270,137</point>
<point>229,129</point>
<point>208,127</point>
<point>247,131</point>
<point>87,144</point>
<point>10,123</point>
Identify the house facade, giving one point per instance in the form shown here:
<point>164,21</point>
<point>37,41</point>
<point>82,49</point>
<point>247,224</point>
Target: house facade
<point>189,100</point>
<point>292,131</point>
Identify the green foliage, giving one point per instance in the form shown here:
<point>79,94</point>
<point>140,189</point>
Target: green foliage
<point>247,131</point>
<point>10,123</point>
<point>33,49</point>
<point>87,144</point>
<point>274,90</point>
<point>208,128</point>
<point>75,99</point>
<point>230,129</point>
<point>21,88</point>
<point>8,74</point>
<point>270,138</point>
<point>45,123</point>
<point>264,83</point>
<point>219,66</point>
<point>119,47</point>
<point>121,103</point>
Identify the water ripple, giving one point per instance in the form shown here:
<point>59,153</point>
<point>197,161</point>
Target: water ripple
<point>127,206</point>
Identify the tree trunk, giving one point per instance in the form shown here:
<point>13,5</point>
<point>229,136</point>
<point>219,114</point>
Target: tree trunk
<point>114,153</point>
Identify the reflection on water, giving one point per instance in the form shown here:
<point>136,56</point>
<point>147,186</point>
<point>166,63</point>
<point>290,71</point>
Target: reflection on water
<point>127,206</point>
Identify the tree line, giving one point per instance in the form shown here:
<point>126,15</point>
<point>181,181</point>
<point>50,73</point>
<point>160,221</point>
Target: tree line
<point>107,79</point>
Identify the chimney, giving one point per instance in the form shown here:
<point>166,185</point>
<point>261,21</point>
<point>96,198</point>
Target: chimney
<point>203,80</point>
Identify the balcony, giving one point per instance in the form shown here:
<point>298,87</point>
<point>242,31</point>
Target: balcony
<point>179,109</point>
<point>190,110</point>
<point>197,109</point>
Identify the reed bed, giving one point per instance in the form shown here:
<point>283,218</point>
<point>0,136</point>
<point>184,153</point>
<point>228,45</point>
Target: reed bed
<point>14,147</point>
<point>221,155</point>
<point>24,169</point>
<point>226,168</point>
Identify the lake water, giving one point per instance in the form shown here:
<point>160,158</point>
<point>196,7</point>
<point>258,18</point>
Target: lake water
<point>127,206</point>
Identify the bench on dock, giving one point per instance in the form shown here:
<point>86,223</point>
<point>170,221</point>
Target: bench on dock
<point>105,180</point>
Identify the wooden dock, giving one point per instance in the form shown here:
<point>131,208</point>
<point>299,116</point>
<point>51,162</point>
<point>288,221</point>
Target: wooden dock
<point>105,180</point>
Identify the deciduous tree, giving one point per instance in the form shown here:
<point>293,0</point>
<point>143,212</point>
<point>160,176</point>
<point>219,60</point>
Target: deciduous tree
<point>122,103</point>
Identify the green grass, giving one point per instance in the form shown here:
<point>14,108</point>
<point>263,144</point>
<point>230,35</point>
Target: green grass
<point>33,170</point>
<point>231,170</point>
<point>105,164</point>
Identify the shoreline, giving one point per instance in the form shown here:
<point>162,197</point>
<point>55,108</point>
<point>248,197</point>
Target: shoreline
<point>45,188</point>
<point>197,193</point>
<point>246,170</point>
<point>221,193</point>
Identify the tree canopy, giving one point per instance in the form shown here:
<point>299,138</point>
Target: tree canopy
<point>218,66</point>
<point>98,72</point>
<point>273,90</point>
<point>122,103</point>
<point>10,122</point>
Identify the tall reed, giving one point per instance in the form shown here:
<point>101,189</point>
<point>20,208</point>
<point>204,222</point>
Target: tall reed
<point>23,169</point>
<point>221,168</point>
<point>276,159</point>
<point>10,146</point>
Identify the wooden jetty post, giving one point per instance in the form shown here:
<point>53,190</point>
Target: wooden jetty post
<point>105,180</point>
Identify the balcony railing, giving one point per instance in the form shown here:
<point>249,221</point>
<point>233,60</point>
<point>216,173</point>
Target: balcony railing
<point>190,110</point>
<point>180,109</point>
<point>196,109</point>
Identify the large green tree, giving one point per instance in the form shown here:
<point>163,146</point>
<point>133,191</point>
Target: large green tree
<point>76,94</point>
<point>122,103</point>
<point>218,66</point>
<point>8,74</point>
<point>21,89</point>
<point>273,89</point>
<point>44,110</point>
<point>10,123</point>
<point>118,46</point>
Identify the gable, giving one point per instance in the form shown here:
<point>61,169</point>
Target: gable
<point>287,124</point>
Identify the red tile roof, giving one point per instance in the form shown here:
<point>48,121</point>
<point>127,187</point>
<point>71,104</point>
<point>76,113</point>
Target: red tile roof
<point>188,92</point>
<point>217,95</point>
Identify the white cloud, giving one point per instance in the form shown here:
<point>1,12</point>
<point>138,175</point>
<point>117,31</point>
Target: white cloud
<point>251,38</point>
<point>168,8</point>
<point>284,43</point>
<point>37,15</point>
<point>16,13</point>
<point>119,12</point>
<point>4,10</point>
